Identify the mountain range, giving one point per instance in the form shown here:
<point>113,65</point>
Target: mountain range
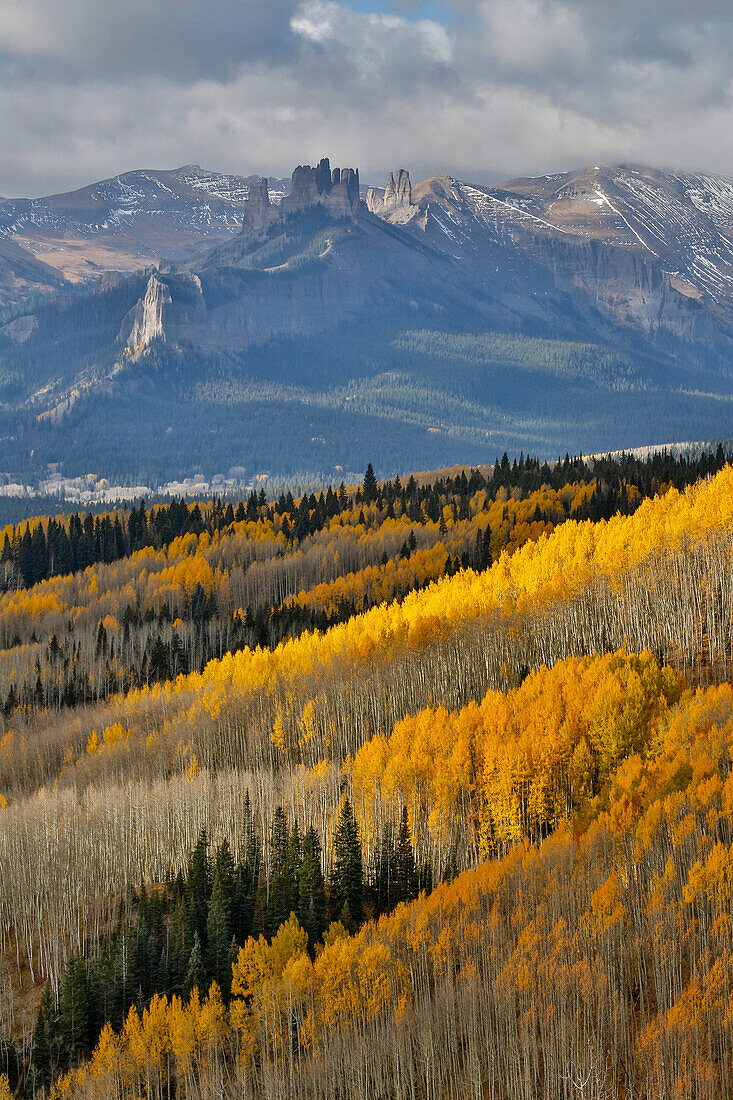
<point>163,323</point>
<point>123,224</point>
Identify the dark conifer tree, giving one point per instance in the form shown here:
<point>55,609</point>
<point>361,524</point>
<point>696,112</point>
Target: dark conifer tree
<point>347,885</point>
<point>369,487</point>
<point>74,1011</point>
<point>195,972</point>
<point>281,885</point>
<point>404,877</point>
<point>219,931</point>
<point>247,876</point>
<point>179,947</point>
<point>311,910</point>
<point>45,1040</point>
<point>198,888</point>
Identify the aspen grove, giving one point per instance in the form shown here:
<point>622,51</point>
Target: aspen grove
<point>403,791</point>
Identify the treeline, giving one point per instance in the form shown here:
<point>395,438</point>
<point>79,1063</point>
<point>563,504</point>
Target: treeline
<point>258,574</point>
<point>36,550</point>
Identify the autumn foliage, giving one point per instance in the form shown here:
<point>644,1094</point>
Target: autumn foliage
<point>542,713</point>
<point>601,959</point>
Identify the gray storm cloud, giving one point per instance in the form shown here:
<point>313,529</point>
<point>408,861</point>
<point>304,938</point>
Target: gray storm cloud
<point>500,87</point>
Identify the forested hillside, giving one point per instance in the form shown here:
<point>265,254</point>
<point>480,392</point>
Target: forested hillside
<point>414,790</point>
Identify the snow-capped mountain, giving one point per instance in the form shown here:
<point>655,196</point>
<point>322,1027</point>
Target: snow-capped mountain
<point>645,244</point>
<point>601,226</point>
<point>683,220</point>
<point>587,309</point>
<point>130,221</point>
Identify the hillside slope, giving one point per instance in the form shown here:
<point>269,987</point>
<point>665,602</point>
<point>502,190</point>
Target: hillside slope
<point>555,725</point>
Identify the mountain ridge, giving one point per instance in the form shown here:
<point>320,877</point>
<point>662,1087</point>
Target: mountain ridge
<point>127,222</point>
<point>452,320</point>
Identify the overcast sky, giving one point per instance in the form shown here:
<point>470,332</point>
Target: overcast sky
<point>482,89</point>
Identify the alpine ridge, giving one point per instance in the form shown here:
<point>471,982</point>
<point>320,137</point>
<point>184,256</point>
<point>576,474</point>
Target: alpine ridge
<point>451,320</point>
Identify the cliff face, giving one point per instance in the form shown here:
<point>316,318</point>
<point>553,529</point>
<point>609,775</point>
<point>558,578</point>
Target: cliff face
<point>322,258</point>
<point>315,275</point>
<point>541,313</point>
<point>397,195</point>
<point>627,247</point>
<point>172,307</point>
<point>258,210</point>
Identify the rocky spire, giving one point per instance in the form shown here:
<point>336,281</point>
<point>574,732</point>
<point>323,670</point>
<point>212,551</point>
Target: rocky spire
<point>258,211</point>
<point>397,195</point>
<point>337,189</point>
<point>398,191</point>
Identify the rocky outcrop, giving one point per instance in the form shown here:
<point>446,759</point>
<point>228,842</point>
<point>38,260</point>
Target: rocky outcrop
<point>398,191</point>
<point>21,329</point>
<point>258,208</point>
<point>337,190</point>
<point>395,202</point>
<point>343,197</point>
<point>171,305</point>
<point>147,315</point>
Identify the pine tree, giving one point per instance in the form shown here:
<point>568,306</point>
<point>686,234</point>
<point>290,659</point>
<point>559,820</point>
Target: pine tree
<point>369,487</point>
<point>198,887</point>
<point>282,887</point>
<point>404,877</point>
<point>179,947</point>
<point>102,990</point>
<point>347,885</point>
<point>219,932</point>
<point>311,910</point>
<point>74,1015</point>
<point>246,878</point>
<point>195,973</point>
<point>224,868</point>
<point>45,1039</point>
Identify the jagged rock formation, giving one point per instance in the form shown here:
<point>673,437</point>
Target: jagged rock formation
<point>336,190</point>
<point>571,247</point>
<point>398,191</point>
<point>397,194</point>
<point>422,300</point>
<point>395,202</point>
<point>124,223</point>
<point>258,209</point>
<point>171,305</point>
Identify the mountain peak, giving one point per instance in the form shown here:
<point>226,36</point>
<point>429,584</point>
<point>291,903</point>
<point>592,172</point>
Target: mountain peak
<point>336,190</point>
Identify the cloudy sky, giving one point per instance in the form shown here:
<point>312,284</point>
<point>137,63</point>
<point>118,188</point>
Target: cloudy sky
<point>483,89</point>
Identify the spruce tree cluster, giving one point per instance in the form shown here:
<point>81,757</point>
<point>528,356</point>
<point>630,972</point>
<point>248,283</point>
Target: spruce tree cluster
<point>184,933</point>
